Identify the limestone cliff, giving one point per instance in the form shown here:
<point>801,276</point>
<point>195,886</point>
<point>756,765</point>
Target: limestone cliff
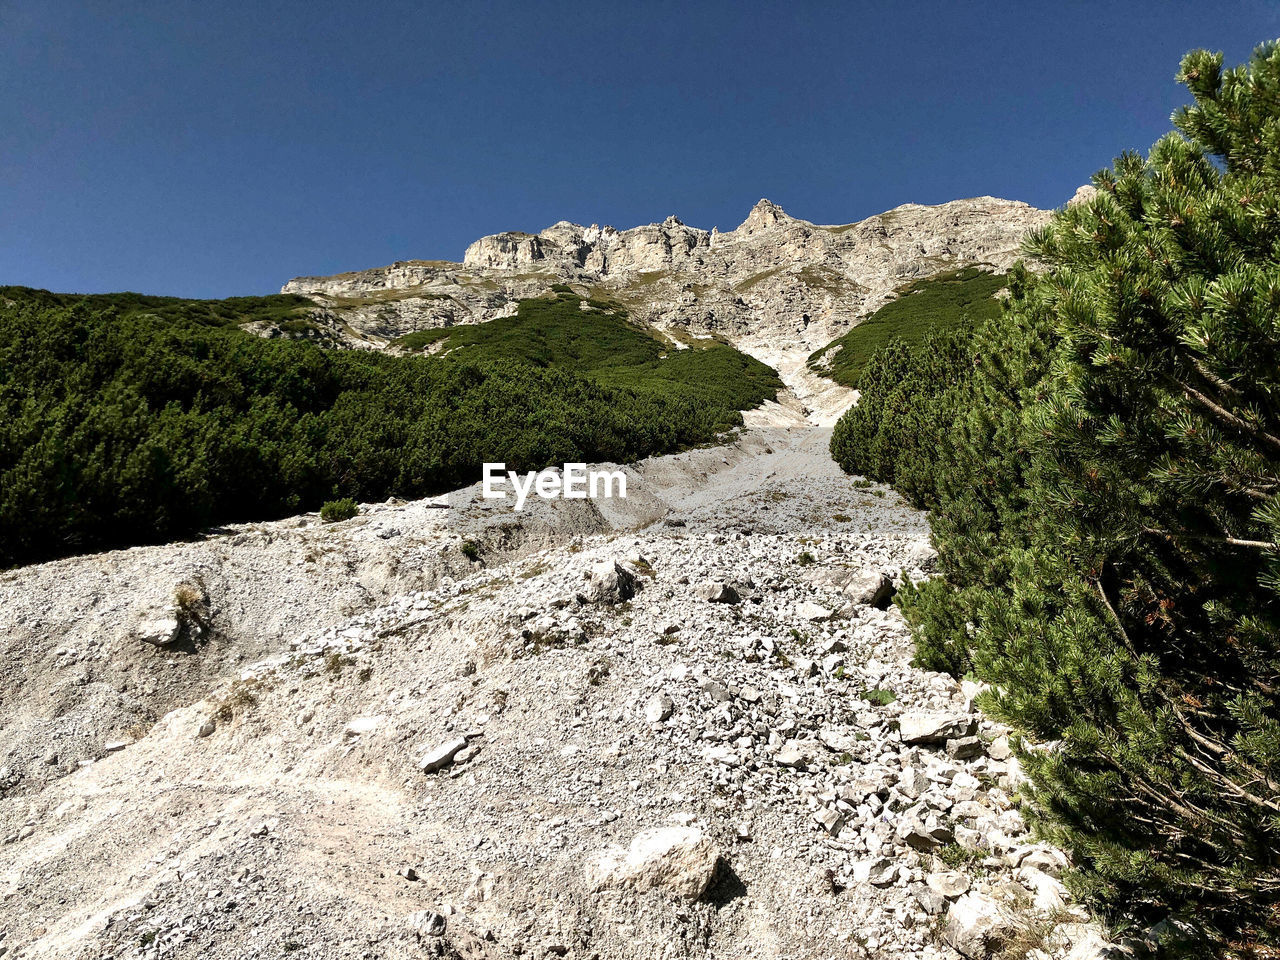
<point>777,287</point>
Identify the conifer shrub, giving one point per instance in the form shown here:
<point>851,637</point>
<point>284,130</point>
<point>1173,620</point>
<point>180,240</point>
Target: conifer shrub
<point>953,301</point>
<point>127,419</point>
<point>335,511</point>
<point>1106,505</point>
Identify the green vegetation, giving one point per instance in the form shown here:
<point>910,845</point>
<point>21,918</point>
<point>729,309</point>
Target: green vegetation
<point>958,858</point>
<point>951,301</point>
<point>127,419</point>
<point>1102,461</point>
<point>420,340</point>
<point>335,511</point>
<point>280,308</point>
<point>603,345</point>
<point>908,402</point>
<point>879,697</point>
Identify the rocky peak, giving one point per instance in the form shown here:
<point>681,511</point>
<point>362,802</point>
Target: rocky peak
<point>763,215</point>
<point>777,287</point>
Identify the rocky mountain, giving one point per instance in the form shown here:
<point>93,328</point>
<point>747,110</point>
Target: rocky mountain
<point>776,287</point>
<point>684,724</point>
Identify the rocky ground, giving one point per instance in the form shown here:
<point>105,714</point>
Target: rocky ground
<point>684,725</point>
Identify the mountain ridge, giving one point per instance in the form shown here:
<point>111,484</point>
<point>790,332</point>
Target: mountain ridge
<point>777,287</point>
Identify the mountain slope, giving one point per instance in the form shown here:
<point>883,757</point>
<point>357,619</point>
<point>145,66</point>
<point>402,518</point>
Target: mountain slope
<point>149,421</point>
<point>260,791</point>
<point>776,287</point>
<point>946,301</point>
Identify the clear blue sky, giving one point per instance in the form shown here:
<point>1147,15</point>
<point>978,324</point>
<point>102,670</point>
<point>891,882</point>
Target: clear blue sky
<point>220,148</point>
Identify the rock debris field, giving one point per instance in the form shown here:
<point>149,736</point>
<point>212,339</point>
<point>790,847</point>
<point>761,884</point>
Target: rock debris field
<point>683,726</point>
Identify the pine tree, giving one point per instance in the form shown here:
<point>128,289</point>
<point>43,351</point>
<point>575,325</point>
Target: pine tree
<point>1108,518</point>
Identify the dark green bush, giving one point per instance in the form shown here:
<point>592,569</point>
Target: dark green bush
<point>908,399</point>
<point>948,302</point>
<point>335,511</point>
<point>130,426</point>
<point>1106,506</point>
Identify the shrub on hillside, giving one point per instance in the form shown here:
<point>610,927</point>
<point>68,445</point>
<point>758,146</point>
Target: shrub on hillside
<point>908,400</point>
<point>1107,513</point>
<point>122,426</point>
<point>335,511</point>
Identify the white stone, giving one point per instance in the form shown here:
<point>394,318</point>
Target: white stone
<point>441,756</point>
<point>679,860</point>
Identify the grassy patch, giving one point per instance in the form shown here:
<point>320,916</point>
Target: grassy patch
<point>604,345</point>
<point>335,511</point>
<point>760,277</point>
<point>419,340</point>
<point>959,299</point>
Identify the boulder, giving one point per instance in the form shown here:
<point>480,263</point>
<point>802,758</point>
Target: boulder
<point>1048,893</point>
<point>160,631</point>
<point>948,883</point>
<point>870,587</point>
<point>930,900</point>
<point>964,748</point>
<point>813,612</point>
<point>830,818</point>
<point>610,582</point>
<point>680,860</point>
<point>1045,859</point>
<point>879,872</point>
<point>933,728</point>
<point>923,835</point>
<point>717,591</point>
<point>791,755</point>
<point>979,927</point>
<point>441,756</point>
<point>658,708</point>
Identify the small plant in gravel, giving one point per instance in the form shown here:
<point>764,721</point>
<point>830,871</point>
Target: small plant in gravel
<point>471,550</point>
<point>598,673</point>
<point>240,698</point>
<point>957,857</point>
<point>879,696</point>
<point>188,598</point>
<point>806,559</point>
<point>334,662</point>
<point>335,511</point>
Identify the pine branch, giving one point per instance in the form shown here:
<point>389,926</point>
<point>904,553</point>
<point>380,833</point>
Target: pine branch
<point>1225,415</point>
<point>1225,540</point>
